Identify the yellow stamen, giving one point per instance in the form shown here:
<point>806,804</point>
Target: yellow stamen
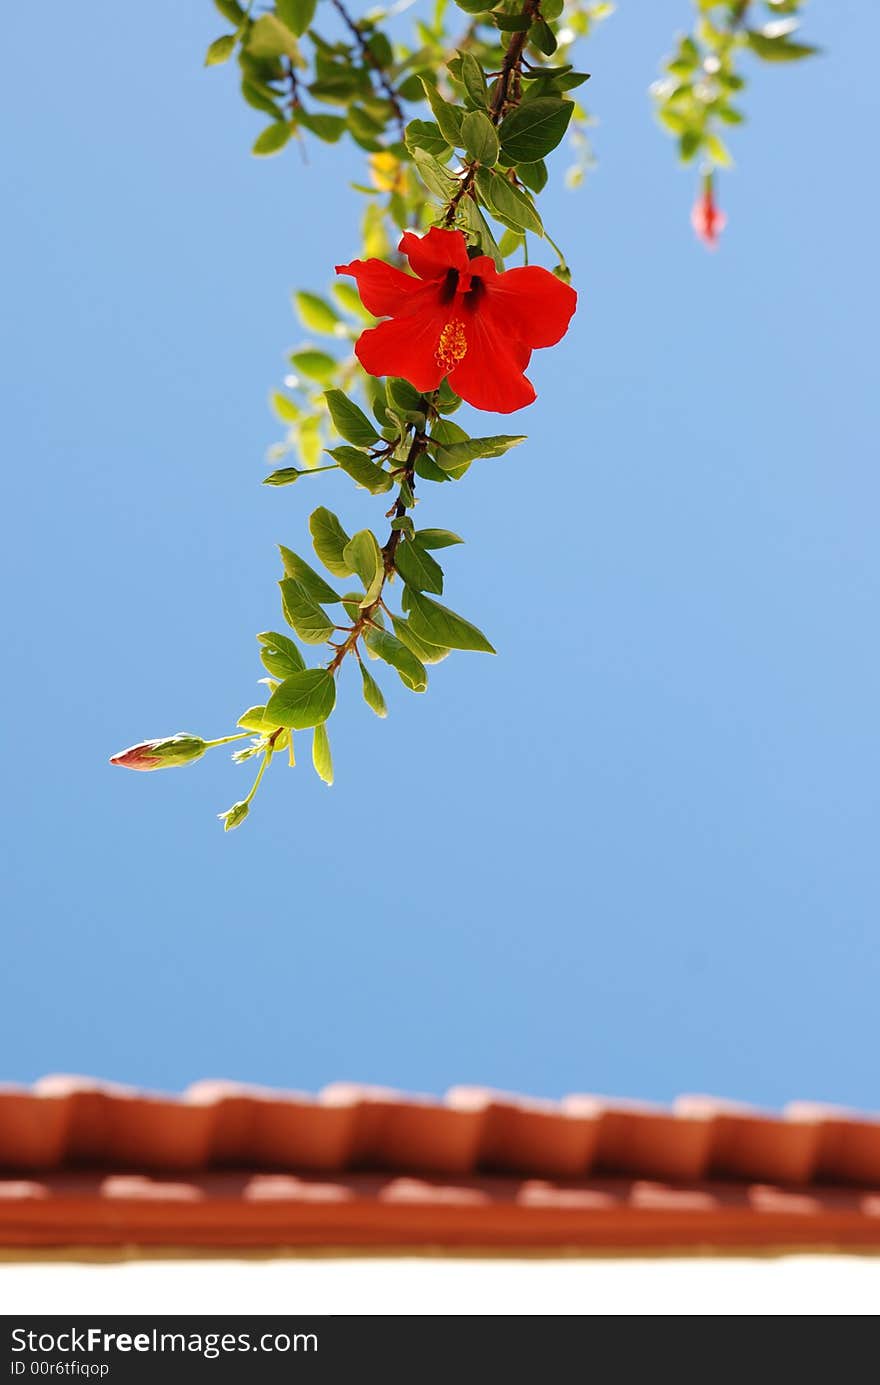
<point>452,346</point>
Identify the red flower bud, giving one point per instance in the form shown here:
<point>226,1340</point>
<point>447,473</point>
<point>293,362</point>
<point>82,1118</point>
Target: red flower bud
<point>707,218</point>
<point>459,317</point>
<point>181,749</point>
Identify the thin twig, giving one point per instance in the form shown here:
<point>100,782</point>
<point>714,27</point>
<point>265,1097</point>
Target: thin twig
<point>371,61</point>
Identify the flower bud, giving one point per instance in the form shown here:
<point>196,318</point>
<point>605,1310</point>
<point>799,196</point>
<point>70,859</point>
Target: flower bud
<point>234,815</point>
<point>162,754</point>
<point>706,217</point>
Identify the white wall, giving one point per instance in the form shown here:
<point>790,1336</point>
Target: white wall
<point>797,1285</point>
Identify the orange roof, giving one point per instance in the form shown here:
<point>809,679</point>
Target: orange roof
<point>90,1162</point>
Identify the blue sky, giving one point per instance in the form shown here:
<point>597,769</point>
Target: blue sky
<point>637,852</point>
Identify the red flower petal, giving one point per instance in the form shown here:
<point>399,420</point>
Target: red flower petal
<point>436,252</point>
<point>491,374</point>
<point>529,303</point>
<point>405,346</point>
<point>384,290</point>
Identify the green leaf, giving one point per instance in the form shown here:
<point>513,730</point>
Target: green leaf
<point>285,408</point>
<point>269,38</point>
<point>361,469</point>
<point>531,131</point>
<point>373,693</point>
<point>438,625</point>
<point>437,538</point>
<point>329,540</point>
<point>533,175</point>
<point>260,102</point>
<point>417,568</point>
<point>329,128</point>
<point>474,79</point>
<point>364,556</point>
<point>253,720</point>
<point>425,653</point>
<point>717,150</point>
<point>304,699</point>
<point>778,48</point>
<point>303,614</point>
<point>296,14</point>
<point>512,23</point>
<point>479,227</point>
<point>451,455</point>
<point>425,134</point>
<point>231,10</point>
<point>273,138</point>
<point>428,470</point>
<point>543,37</point>
<point>321,757</point>
<point>284,476</point>
<point>551,9</point>
<point>475,6</point>
<point>316,313</point>
<point>404,396</point>
<point>315,365</point>
<point>347,297</point>
<point>280,655</point>
<point>434,176</point>
<point>350,421</point>
<point>221,50</point>
<point>448,117</point>
<point>479,138</point>
<point>310,581</point>
<point>508,204</point>
<point>388,647</point>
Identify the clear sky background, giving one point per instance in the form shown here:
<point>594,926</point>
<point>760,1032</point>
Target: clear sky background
<point>636,853</point>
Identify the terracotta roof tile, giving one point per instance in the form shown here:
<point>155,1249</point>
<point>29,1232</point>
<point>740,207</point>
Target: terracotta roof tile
<point>99,1163</point>
<point>68,1123</point>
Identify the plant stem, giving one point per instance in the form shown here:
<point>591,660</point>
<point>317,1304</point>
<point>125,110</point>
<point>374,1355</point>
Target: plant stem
<point>371,61</point>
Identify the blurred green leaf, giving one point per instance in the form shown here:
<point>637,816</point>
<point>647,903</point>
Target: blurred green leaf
<point>316,313</point>
<point>273,138</point>
<point>296,14</point>
<point>221,50</point>
<point>315,365</point>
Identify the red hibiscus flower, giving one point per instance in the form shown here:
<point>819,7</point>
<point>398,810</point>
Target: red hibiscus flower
<point>707,218</point>
<point>459,318</point>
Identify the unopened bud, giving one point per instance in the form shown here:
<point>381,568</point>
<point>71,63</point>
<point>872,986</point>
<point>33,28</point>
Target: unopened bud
<point>234,815</point>
<point>181,749</point>
<point>707,218</point>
